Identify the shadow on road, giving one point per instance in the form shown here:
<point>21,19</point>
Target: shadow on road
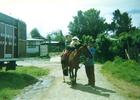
<point>13,80</point>
<point>94,90</point>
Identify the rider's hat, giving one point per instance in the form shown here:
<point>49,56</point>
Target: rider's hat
<point>75,38</point>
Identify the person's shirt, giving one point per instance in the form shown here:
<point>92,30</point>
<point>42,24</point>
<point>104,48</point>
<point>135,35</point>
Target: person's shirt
<point>90,61</point>
<point>92,51</point>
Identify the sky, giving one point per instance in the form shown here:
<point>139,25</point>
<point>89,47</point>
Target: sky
<point>53,15</point>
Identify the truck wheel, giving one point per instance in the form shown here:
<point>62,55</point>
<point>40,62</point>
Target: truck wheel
<point>11,66</point>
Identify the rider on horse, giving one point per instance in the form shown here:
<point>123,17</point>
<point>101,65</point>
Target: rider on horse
<point>74,44</point>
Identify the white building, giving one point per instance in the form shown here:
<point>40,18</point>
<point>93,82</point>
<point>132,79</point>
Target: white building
<point>40,47</point>
<point>33,46</point>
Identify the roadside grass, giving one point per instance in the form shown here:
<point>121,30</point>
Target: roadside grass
<point>125,74</point>
<point>12,82</point>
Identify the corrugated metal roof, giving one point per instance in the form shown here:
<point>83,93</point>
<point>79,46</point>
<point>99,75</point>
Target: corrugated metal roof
<point>33,39</point>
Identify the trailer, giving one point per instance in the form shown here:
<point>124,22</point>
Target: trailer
<point>12,41</point>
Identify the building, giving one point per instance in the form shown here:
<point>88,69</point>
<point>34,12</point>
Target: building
<point>33,46</point>
<point>40,47</point>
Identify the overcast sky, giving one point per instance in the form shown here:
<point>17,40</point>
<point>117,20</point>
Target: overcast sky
<point>51,15</point>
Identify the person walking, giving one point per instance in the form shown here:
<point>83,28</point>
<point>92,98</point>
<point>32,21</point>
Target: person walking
<point>89,66</point>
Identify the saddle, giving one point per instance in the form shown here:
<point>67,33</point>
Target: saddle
<point>66,54</point>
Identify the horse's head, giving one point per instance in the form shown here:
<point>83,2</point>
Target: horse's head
<point>85,51</point>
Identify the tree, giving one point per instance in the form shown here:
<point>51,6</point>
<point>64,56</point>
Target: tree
<point>121,22</point>
<point>35,34</point>
<point>131,42</point>
<point>88,23</point>
<point>94,23</point>
<point>49,38</point>
<point>103,44</point>
<point>77,27</point>
<point>87,38</point>
<point>57,36</point>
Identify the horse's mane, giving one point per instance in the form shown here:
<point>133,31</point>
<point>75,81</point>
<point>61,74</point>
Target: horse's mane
<point>78,50</point>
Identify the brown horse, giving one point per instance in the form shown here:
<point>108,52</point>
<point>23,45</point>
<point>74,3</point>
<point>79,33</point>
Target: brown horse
<point>71,64</point>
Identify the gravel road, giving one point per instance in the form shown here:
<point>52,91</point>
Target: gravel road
<point>53,87</point>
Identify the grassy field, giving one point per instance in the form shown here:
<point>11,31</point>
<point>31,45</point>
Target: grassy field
<point>125,75</point>
<point>12,82</point>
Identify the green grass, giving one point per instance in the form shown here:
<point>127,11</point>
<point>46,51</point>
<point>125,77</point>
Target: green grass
<point>127,70</point>
<point>12,82</point>
<point>124,73</point>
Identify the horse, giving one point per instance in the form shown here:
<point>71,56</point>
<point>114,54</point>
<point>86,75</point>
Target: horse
<point>71,63</point>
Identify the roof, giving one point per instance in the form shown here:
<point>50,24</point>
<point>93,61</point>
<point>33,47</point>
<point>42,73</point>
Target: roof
<point>33,39</point>
<point>52,42</point>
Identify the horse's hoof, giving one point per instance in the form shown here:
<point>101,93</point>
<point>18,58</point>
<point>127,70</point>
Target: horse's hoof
<point>73,85</point>
<point>92,86</point>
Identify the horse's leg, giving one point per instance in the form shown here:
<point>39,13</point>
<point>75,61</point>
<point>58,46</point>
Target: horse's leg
<point>75,76</point>
<point>63,71</point>
<point>70,73</point>
<point>63,78</point>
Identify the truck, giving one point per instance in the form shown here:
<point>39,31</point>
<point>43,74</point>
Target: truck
<point>12,41</point>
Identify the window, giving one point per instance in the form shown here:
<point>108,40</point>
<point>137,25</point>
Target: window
<point>31,44</point>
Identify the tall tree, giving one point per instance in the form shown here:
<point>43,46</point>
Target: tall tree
<point>88,23</point>
<point>35,34</point>
<point>57,36</point>
<point>121,22</point>
<point>77,27</point>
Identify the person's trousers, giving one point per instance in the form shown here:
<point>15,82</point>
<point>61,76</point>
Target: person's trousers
<point>90,74</point>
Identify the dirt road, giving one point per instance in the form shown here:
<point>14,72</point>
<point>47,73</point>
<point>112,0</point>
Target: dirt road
<point>56,89</point>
